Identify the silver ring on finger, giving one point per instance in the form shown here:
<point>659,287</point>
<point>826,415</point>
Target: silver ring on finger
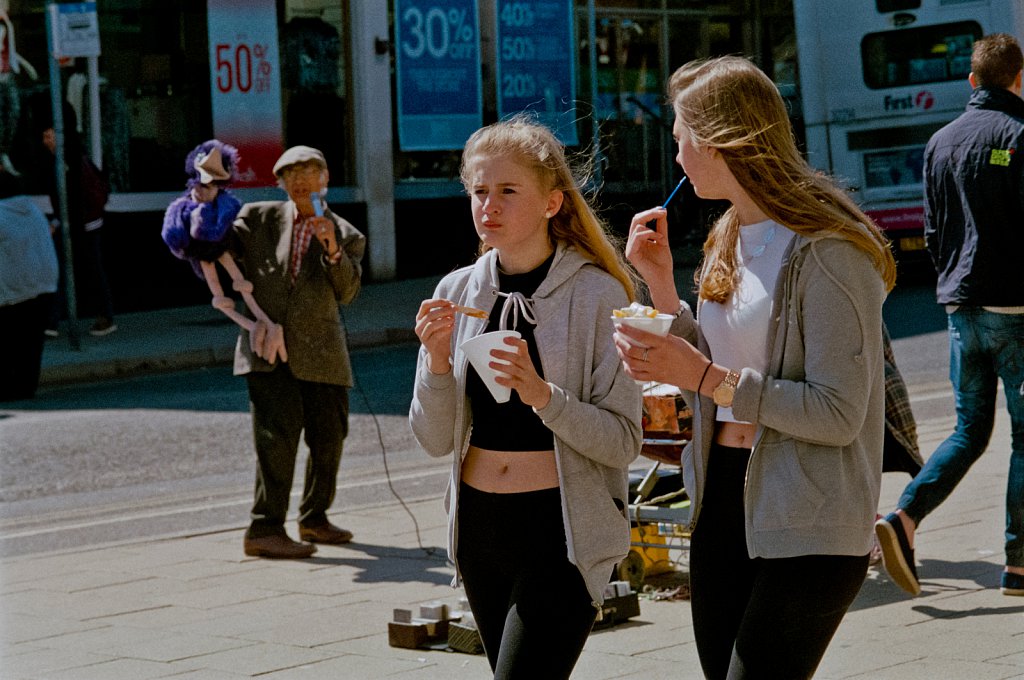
<point>644,356</point>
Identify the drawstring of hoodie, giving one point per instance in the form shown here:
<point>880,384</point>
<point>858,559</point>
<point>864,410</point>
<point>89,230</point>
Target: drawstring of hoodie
<point>516,303</point>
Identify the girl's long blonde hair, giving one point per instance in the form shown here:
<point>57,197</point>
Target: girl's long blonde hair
<point>536,147</point>
<point>730,105</point>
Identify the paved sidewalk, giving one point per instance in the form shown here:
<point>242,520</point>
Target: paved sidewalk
<point>193,606</point>
<point>189,337</point>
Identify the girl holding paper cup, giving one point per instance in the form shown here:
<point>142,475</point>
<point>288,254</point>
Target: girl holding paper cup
<point>783,366</point>
<point>537,516</point>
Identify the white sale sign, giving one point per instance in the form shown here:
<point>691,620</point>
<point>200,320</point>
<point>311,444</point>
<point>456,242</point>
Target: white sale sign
<point>245,84</point>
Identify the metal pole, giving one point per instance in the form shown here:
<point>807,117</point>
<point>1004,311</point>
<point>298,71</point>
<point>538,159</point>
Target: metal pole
<point>61,179</point>
<point>95,136</point>
<point>595,122</point>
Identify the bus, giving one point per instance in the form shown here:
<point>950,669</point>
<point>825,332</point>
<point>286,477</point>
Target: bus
<point>877,78</point>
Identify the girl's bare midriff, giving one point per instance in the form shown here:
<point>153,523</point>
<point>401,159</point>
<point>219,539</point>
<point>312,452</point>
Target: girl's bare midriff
<point>509,471</point>
<point>736,435</point>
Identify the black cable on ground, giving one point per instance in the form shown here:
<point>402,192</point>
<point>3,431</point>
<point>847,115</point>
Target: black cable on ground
<point>430,552</point>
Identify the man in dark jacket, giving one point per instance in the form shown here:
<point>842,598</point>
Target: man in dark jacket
<point>303,261</point>
<point>974,229</point>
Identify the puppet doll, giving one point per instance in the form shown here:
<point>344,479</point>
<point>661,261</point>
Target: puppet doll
<point>197,228</point>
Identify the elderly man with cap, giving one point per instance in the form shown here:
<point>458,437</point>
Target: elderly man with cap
<point>303,261</point>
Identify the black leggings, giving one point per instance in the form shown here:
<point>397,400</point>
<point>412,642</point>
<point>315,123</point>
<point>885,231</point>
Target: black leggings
<point>760,618</point>
<point>530,603</point>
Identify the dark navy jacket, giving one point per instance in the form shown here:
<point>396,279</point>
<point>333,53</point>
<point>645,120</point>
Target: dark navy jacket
<point>974,202</point>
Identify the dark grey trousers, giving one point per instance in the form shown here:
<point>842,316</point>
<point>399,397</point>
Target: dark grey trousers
<point>283,409</point>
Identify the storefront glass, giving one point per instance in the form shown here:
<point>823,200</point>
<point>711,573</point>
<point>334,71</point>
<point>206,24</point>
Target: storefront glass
<point>156,75</point>
<point>638,44</point>
<point>155,92</point>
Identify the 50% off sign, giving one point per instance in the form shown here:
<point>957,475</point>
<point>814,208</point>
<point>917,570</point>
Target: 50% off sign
<point>242,67</point>
<point>536,62</point>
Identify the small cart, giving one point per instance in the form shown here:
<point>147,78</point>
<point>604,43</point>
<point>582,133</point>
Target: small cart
<point>659,510</point>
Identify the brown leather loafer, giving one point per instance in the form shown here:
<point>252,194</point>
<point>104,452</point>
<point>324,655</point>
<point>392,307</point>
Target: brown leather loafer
<point>325,533</point>
<point>277,547</point>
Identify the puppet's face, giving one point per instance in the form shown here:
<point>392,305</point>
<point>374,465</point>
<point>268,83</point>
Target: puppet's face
<point>205,193</point>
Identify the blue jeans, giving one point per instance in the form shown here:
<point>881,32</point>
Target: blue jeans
<point>983,347</point>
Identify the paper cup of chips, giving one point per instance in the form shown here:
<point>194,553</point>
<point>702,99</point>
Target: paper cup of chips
<point>478,351</point>
<point>645,318</point>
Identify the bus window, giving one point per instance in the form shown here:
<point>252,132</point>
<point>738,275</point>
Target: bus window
<point>892,156</point>
<point>918,55</point>
<point>894,168</point>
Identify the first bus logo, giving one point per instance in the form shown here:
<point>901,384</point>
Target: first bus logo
<point>923,100</point>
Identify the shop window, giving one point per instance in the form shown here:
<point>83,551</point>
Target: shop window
<point>316,101</point>
<point>155,98</point>
<point>22,74</point>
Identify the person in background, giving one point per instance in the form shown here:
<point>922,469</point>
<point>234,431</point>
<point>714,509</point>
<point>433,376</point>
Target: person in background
<point>974,230</point>
<point>537,516</point>
<point>303,262</point>
<point>28,278</point>
<point>87,194</point>
<point>783,366</point>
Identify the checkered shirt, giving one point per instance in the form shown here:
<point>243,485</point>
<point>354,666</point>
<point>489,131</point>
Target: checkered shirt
<point>898,416</point>
<point>302,234</point>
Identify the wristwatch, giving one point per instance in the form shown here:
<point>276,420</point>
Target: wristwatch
<point>726,389</point>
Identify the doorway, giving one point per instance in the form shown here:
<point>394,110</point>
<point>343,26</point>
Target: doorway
<point>636,52</point>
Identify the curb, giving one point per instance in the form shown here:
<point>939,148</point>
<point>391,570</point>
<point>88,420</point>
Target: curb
<point>128,366</point>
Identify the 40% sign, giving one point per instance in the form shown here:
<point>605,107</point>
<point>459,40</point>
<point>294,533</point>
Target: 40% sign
<point>438,32</point>
<point>242,67</point>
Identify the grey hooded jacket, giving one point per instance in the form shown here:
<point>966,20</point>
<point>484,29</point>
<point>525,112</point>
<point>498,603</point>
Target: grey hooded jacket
<point>815,472</point>
<point>594,412</point>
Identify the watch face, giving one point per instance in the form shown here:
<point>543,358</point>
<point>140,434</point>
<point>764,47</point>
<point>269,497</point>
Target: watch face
<point>723,394</point>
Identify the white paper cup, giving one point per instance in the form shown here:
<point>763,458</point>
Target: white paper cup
<point>659,325</point>
<point>478,351</point>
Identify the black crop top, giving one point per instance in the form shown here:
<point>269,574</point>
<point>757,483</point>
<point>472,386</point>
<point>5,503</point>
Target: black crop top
<point>512,426</point>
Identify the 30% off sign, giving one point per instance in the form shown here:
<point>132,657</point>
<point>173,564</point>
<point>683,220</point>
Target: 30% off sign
<point>438,32</point>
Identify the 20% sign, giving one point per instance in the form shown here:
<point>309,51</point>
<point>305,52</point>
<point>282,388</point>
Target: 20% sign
<point>517,17</point>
